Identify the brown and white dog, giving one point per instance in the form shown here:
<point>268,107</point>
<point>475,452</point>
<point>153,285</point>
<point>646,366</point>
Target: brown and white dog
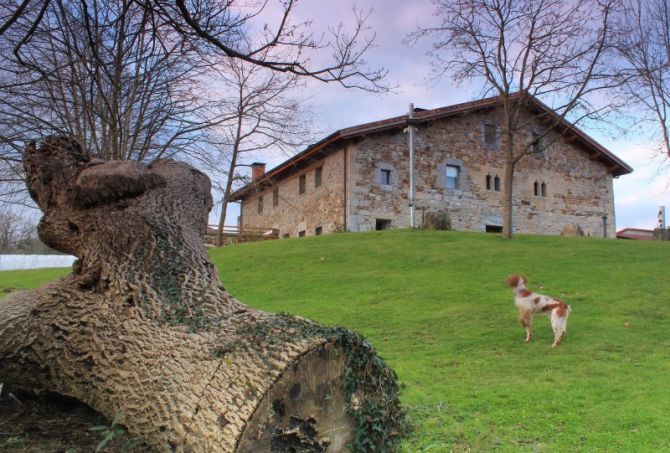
<point>530,303</point>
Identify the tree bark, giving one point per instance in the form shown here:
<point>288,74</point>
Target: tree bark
<point>143,326</point>
<point>508,178</point>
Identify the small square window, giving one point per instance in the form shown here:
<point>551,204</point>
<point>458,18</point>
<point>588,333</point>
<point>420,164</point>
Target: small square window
<point>318,231</point>
<point>318,174</point>
<point>453,174</point>
<point>382,224</point>
<point>301,234</point>
<point>490,134</point>
<point>275,197</point>
<point>302,184</point>
<point>537,144</point>
<point>385,177</point>
<point>260,205</point>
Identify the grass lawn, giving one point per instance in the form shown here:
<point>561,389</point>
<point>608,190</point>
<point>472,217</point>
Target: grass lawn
<point>434,305</point>
<point>26,279</point>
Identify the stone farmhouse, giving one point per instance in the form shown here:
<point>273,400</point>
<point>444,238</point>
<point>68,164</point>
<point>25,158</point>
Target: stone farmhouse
<point>357,178</point>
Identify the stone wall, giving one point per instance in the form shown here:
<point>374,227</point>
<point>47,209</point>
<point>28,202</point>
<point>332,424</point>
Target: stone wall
<point>577,189</point>
<point>295,213</point>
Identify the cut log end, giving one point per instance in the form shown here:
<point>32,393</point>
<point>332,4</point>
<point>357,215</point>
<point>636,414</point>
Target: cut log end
<point>306,410</point>
<point>340,396</point>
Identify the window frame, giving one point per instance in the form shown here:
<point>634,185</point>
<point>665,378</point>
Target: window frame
<point>302,184</point>
<point>318,176</point>
<point>385,177</point>
<point>447,178</point>
<point>538,149</point>
<point>490,130</point>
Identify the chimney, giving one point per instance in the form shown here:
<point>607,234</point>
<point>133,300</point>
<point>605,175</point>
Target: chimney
<point>661,217</point>
<point>257,171</point>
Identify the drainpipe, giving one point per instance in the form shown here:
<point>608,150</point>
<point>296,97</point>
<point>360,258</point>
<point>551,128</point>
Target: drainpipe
<point>605,225</point>
<point>345,188</point>
<point>412,191</point>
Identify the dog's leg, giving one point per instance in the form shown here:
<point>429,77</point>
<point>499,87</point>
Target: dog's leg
<point>558,324</point>
<point>526,319</point>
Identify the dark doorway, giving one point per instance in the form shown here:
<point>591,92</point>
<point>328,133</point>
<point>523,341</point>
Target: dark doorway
<point>382,224</point>
<point>493,229</point>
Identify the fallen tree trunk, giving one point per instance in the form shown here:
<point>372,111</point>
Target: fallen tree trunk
<point>143,326</point>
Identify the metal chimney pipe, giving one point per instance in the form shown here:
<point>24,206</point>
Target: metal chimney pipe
<point>661,217</point>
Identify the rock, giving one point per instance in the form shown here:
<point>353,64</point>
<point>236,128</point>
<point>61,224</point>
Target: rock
<point>436,220</point>
<point>572,229</point>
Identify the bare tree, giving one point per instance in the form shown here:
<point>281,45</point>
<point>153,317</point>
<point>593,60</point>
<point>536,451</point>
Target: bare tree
<point>644,49</point>
<point>225,26</point>
<point>523,49</point>
<point>14,228</point>
<point>122,88</point>
<point>129,78</point>
<point>126,89</point>
<point>266,116</point>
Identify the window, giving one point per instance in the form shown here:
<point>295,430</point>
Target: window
<point>537,144</point>
<point>490,133</point>
<point>544,190</point>
<point>496,184</point>
<point>385,177</point>
<point>488,182</point>
<point>302,184</point>
<point>318,173</point>
<point>286,236</point>
<point>318,231</point>
<point>260,205</point>
<point>301,234</point>
<point>493,229</point>
<point>453,173</point>
<point>382,224</point>
<point>536,189</point>
<point>275,197</point>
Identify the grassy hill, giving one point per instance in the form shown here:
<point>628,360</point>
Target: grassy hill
<point>434,305</point>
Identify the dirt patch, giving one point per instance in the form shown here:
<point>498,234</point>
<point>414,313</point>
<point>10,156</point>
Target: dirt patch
<point>52,423</point>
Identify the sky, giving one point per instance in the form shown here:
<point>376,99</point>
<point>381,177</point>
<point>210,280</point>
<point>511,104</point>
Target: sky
<point>637,196</point>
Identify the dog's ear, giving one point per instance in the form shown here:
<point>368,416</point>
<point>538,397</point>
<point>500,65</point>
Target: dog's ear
<point>512,281</point>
